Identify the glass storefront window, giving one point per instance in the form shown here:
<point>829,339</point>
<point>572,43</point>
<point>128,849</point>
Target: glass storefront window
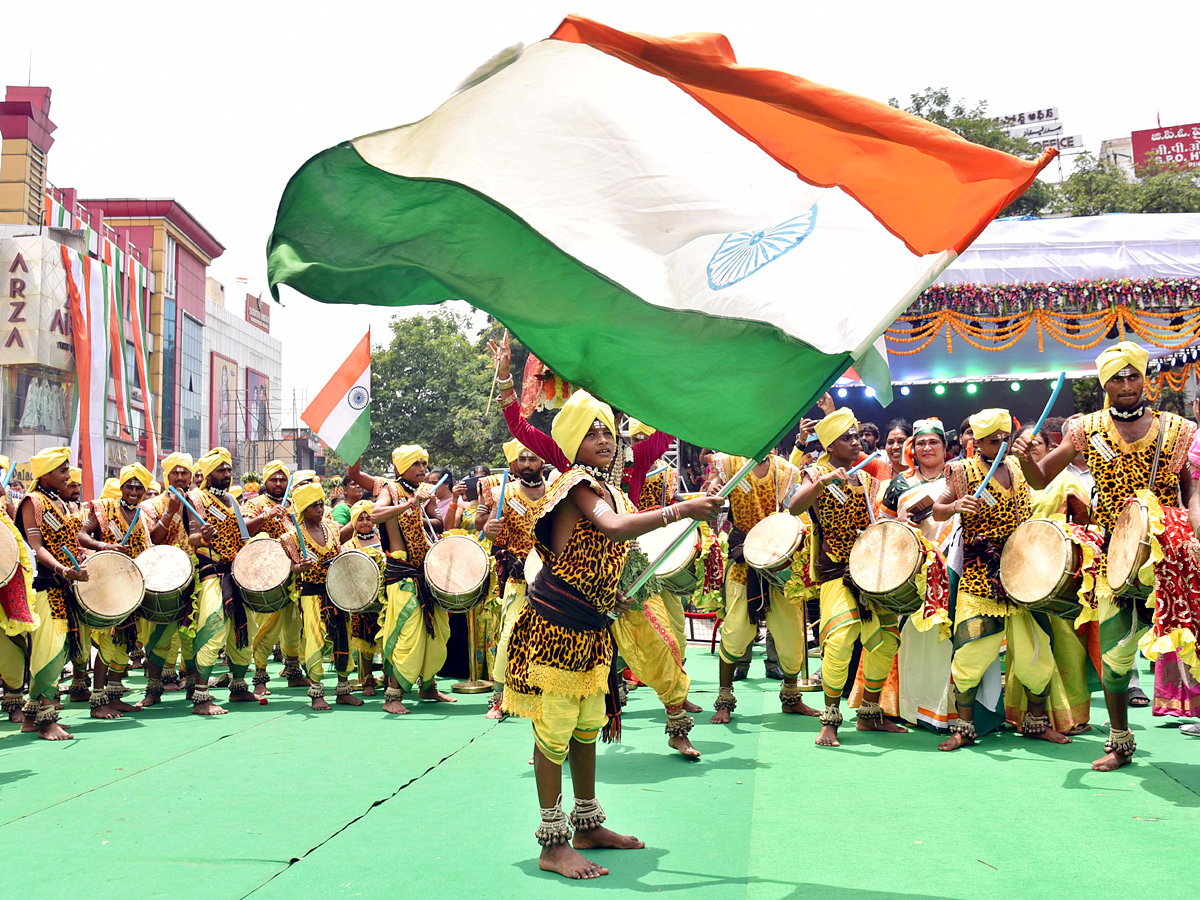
<point>167,400</point>
<point>191,378</point>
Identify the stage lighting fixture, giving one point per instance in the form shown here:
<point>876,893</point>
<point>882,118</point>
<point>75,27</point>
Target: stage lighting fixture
<point>1015,386</point>
<point>940,389</point>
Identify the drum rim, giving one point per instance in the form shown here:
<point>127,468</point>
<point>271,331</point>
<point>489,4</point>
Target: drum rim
<point>170,549</point>
<point>1130,579</point>
<point>233,566</point>
<point>480,587</point>
<point>919,559</point>
<point>348,554</point>
<point>689,546</point>
<point>82,587</point>
<point>778,562</point>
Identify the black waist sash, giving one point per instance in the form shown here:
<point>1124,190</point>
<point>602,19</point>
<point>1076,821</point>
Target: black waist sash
<point>561,604</point>
<point>984,550</point>
<point>231,597</point>
<point>396,570</point>
<point>508,565</point>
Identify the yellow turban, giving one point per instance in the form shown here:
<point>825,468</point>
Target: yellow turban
<point>48,460</point>
<point>575,420</point>
<point>5,462</point>
<point>76,476</point>
<point>1117,357</point>
<point>989,421</point>
<point>306,495</point>
<point>407,455</point>
<point>636,428</point>
<point>156,487</point>
<point>112,490</point>
<point>138,471</point>
<point>178,460</point>
<point>360,509</point>
<point>303,476</point>
<point>834,425</point>
<point>513,449</point>
<point>272,467</point>
<point>213,460</point>
<point>235,491</point>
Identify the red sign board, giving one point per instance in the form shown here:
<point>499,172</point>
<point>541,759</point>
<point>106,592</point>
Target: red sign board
<point>258,312</point>
<point>1176,145</point>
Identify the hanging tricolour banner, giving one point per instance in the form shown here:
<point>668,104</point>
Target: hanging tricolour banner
<point>648,208</point>
<point>136,279</point>
<point>113,309</point>
<point>85,288</point>
<point>341,413</point>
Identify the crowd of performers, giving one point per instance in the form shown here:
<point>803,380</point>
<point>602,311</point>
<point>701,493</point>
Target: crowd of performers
<point>906,569</point>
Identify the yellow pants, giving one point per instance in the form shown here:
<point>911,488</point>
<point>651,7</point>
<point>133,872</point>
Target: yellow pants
<point>314,641</point>
<point>410,654</point>
<point>647,644</point>
<point>1068,702</point>
<point>1122,624</point>
<point>512,603</point>
<point>565,718</point>
<point>157,639</point>
<point>12,664</point>
<point>112,654</point>
<point>215,631</point>
<point>48,651</point>
<point>674,605</point>
<point>1030,654</point>
<point>783,621</point>
<point>266,629</point>
<point>841,625</point>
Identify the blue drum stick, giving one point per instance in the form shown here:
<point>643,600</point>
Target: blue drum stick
<point>992,471</point>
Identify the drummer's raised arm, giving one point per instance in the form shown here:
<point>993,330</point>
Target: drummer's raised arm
<point>361,478</point>
<point>1040,474</point>
<point>623,527</point>
<point>810,489</point>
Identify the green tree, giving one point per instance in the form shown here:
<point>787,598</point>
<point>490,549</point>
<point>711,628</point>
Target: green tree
<point>972,122</point>
<point>429,386</point>
<point>1099,186</point>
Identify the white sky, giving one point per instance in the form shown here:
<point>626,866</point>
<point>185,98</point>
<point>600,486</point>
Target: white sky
<point>246,92</point>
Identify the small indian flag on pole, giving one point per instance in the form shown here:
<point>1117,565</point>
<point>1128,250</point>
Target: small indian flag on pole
<point>341,413</point>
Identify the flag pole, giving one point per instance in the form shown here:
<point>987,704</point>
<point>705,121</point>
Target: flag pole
<point>495,378</point>
<point>678,542</point>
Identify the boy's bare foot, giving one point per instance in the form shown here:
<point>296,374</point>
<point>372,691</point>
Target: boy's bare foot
<point>568,862</point>
<point>684,746</point>
<point>605,838</point>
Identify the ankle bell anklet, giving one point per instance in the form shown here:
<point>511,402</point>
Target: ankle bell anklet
<point>553,829</point>
<point>154,687</point>
<point>316,690</point>
<point>964,729</point>
<point>725,700</point>
<point>1034,725</point>
<point>202,695</point>
<point>98,699</point>
<point>831,715</point>
<point>587,814</point>
<point>679,723</point>
<point>238,685</point>
<point>342,689</point>
<point>260,678</point>
<point>46,715</point>
<point>790,695</point>
<point>1120,741</point>
<point>391,695</point>
<point>869,712</point>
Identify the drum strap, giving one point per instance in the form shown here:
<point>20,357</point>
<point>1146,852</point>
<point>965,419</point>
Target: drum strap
<point>400,569</point>
<point>758,588</point>
<point>230,596</point>
<point>559,603</point>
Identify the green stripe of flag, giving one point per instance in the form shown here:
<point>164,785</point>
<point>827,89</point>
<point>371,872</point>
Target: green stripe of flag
<point>354,442</point>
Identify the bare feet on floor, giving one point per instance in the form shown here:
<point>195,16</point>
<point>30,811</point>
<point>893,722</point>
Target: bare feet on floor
<point>435,695</point>
<point>605,838</point>
<point>320,704</point>
<point>54,732</point>
<point>105,711</point>
<point>208,708</point>
<point>827,737</point>
<point>121,706</point>
<point>1110,762</point>
<point>955,741</point>
<point>299,681</point>
<point>242,697</point>
<point>395,707</point>
<point>260,690</point>
<point>684,746</point>
<point>720,717</point>
<point>368,689</point>
<point>148,701</point>
<point>1050,735</point>
<point>690,707</point>
<point>569,863</point>
<point>800,708</point>
<point>348,700</point>
<point>880,725</point>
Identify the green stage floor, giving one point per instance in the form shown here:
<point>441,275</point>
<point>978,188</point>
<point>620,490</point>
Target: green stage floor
<point>278,802</point>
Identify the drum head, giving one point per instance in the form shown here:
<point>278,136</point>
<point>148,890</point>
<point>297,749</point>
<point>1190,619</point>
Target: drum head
<point>660,539</point>
<point>456,566</point>
<point>533,565</point>
<point>773,540</point>
<point>885,557</point>
<point>1035,558</point>
<point>1124,547</point>
<point>165,568</point>
<point>10,556</point>
<point>262,565</point>
<point>352,581</point>
<point>114,587</point>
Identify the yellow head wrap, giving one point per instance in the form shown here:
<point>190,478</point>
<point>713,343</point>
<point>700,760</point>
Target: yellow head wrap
<point>235,491</point>
<point>407,455</point>
<point>177,460</point>
<point>112,490</point>
<point>272,467</point>
<point>513,449</point>
<point>575,419</point>
<point>834,425</point>
<point>989,421</point>
<point>636,428</point>
<point>156,487</point>
<point>213,460</point>
<point>360,509</point>
<point>138,471</point>
<point>1117,357</point>
<point>76,476</point>
<point>306,495</point>
<point>48,460</point>
<point>5,462</point>
<point>303,476</point>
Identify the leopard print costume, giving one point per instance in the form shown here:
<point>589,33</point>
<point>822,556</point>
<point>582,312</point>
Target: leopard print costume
<point>321,554</point>
<point>411,521</point>
<point>755,498</point>
<point>653,495</point>
<point>1120,468</point>
<point>60,523</point>
<point>516,528</point>
<point>1013,506</point>
<point>153,511</point>
<point>113,524</point>
<point>545,656</point>
<point>221,516</point>
<point>838,524</point>
<point>263,503</point>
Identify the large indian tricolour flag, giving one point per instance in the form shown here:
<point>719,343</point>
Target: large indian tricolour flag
<point>703,244</point>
